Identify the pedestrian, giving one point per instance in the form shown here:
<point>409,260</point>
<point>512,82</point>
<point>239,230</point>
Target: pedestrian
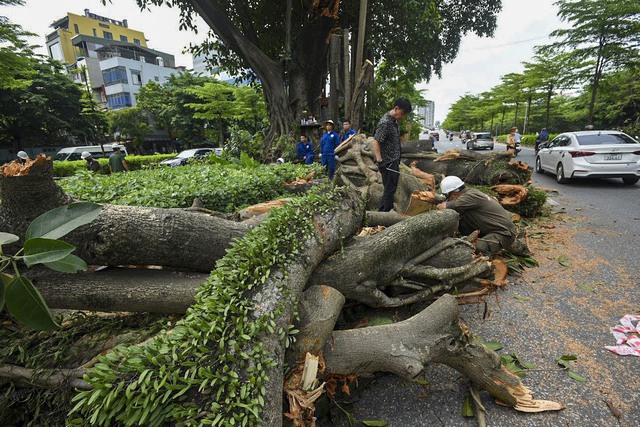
<point>386,149</point>
<point>347,132</point>
<point>542,138</point>
<point>116,161</point>
<point>304,152</point>
<point>478,211</point>
<point>22,157</point>
<point>176,145</point>
<point>92,164</point>
<point>328,143</point>
<point>517,137</point>
<point>511,140</point>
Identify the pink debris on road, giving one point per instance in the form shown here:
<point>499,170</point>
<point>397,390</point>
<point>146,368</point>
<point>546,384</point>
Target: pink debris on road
<point>627,336</point>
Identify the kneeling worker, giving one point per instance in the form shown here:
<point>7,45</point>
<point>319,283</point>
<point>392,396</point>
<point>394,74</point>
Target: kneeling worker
<point>480,212</point>
<point>92,164</point>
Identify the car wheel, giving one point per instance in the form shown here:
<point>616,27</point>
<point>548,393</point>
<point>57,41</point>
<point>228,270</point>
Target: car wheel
<point>630,180</point>
<point>468,147</point>
<point>539,166</point>
<point>560,174</point>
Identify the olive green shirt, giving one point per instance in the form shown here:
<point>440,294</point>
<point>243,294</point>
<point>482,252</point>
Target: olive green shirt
<point>480,212</point>
<point>115,161</point>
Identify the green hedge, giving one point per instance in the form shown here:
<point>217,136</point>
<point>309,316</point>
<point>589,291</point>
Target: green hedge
<point>224,188</point>
<point>69,168</point>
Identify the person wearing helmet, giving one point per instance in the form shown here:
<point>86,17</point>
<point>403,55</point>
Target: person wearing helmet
<point>116,160</point>
<point>92,164</point>
<point>22,157</point>
<point>479,212</point>
<point>328,143</point>
<point>386,149</point>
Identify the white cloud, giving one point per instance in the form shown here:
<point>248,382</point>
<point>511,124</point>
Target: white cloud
<point>522,24</point>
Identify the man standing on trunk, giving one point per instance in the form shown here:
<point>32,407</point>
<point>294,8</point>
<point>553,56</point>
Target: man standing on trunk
<point>386,149</point>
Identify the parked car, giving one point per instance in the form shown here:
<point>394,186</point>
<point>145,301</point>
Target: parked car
<point>480,141</point>
<point>591,154</point>
<point>184,156</point>
<point>74,153</point>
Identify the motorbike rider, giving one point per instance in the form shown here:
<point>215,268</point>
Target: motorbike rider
<point>543,137</point>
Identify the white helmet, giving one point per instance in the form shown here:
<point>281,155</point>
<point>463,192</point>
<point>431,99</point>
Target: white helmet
<point>450,184</point>
<point>23,155</point>
<point>280,160</point>
<point>85,154</point>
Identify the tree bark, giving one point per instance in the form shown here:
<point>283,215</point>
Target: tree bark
<point>114,238</point>
<point>356,111</point>
<point>405,256</point>
<point>119,289</point>
<point>433,336</point>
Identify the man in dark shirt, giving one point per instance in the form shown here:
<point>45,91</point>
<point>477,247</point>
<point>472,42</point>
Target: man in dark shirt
<point>386,149</point>
<point>92,164</point>
<point>347,132</point>
<point>479,212</point>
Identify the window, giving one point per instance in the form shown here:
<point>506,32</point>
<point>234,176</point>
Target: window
<point>124,39</point>
<point>135,78</point>
<point>114,75</point>
<point>95,33</point>
<point>55,51</point>
<point>136,41</point>
<point>103,25</point>
<point>119,100</point>
<point>605,138</point>
<point>107,35</point>
<point>76,29</point>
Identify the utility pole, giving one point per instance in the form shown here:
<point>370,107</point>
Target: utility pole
<point>347,70</point>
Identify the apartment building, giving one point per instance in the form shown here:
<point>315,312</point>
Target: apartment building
<point>425,114</point>
<point>109,58</point>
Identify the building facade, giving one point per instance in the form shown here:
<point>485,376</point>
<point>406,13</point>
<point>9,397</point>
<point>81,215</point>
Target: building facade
<point>426,114</point>
<point>107,57</point>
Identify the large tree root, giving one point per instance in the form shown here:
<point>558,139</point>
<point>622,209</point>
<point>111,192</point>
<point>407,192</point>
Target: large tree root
<point>412,249</point>
<point>433,336</point>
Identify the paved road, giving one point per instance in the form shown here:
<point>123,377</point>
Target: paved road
<point>558,310</point>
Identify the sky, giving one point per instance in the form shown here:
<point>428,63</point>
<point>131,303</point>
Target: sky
<point>522,24</point>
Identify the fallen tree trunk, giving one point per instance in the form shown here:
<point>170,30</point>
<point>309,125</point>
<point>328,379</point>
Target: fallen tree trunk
<point>435,335</point>
<point>115,237</point>
<point>119,289</point>
<point>415,255</point>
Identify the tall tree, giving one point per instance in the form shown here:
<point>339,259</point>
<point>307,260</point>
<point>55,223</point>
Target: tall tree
<point>250,38</point>
<point>602,37</point>
<point>130,123</point>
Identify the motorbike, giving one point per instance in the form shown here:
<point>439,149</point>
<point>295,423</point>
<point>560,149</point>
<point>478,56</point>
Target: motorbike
<point>451,137</point>
<point>518,148</point>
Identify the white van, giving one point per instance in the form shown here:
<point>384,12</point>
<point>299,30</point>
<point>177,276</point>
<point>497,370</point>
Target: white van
<point>73,153</point>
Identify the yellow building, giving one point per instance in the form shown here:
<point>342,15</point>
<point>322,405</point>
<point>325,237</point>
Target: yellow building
<point>61,47</point>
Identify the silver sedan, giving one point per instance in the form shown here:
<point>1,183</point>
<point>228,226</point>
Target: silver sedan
<point>591,154</point>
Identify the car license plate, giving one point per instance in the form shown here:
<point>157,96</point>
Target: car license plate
<point>613,156</point>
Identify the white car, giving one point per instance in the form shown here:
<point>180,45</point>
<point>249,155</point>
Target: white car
<point>591,154</point>
<point>184,156</point>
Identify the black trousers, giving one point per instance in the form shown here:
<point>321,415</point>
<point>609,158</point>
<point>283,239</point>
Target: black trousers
<point>390,183</point>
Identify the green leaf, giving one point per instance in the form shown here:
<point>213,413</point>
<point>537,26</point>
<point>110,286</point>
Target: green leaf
<point>576,376</point>
<point>60,221</point>
<point>375,423</point>
<point>68,264</point>
<point>467,409</point>
<point>40,251</point>
<point>5,279</point>
<point>27,305</point>
<point>526,365</point>
<point>569,357</point>
<point>563,260</point>
<point>494,345</point>
<point>8,238</point>
<point>585,287</point>
<point>521,298</point>
<point>421,382</point>
<point>378,321</point>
